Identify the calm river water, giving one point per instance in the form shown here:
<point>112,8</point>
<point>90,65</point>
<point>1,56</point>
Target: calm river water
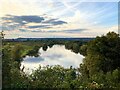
<point>57,55</point>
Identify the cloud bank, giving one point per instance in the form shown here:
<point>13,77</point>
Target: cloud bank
<point>11,22</point>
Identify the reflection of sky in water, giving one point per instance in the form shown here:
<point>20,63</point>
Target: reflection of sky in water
<point>57,55</point>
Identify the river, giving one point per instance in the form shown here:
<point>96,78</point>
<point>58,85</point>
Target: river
<point>56,55</point>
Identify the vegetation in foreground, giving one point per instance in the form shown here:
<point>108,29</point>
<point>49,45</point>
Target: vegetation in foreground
<point>100,68</point>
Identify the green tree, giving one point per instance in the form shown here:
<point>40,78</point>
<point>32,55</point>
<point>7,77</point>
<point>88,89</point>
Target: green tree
<point>83,49</point>
<point>17,52</point>
<point>103,51</point>
<point>75,47</point>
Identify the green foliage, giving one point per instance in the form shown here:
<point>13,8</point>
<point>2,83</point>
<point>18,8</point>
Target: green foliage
<point>16,52</point>
<point>101,63</point>
<point>83,49</point>
<point>76,48</point>
<point>100,68</point>
<point>53,77</point>
<point>33,51</point>
<point>102,52</point>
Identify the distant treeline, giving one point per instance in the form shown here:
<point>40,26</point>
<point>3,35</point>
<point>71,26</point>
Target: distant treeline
<point>38,39</point>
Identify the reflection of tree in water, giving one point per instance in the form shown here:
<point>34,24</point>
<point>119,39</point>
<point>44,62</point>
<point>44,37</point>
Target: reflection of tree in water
<point>50,45</point>
<point>45,47</point>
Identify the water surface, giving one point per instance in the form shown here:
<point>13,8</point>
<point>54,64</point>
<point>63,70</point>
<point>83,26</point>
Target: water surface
<point>57,55</point>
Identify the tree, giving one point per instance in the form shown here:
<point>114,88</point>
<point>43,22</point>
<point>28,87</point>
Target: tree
<point>76,47</point>
<point>83,49</point>
<point>103,51</point>
<point>16,53</point>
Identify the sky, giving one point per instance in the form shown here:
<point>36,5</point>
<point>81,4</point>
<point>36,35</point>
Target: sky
<point>58,18</point>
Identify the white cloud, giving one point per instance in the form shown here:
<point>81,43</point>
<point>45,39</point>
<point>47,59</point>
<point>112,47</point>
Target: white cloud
<point>91,17</point>
<point>18,7</point>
